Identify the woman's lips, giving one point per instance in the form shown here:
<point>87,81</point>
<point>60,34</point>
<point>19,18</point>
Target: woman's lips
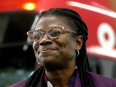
<point>47,50</point>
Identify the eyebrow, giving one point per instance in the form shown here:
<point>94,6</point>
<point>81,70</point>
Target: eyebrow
<point>49,27</point>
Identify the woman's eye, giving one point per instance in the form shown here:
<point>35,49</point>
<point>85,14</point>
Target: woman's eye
<point>54,33</point>
<point>37,36</point>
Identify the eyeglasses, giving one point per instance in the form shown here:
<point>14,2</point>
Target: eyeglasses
<point>52,33</point>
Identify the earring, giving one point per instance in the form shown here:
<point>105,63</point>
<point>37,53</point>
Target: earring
<point>77,51</point>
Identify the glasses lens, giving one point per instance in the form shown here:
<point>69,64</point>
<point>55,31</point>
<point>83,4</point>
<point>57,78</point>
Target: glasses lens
<point>54,32</point>
<point>37,35</point>
<point>34,35</point>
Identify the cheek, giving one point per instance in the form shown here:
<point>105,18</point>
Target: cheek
<point>35,46</point>
<point>66,43</point>
<point>66,50</point>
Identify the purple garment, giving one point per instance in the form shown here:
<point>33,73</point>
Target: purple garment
<point>98,80</point>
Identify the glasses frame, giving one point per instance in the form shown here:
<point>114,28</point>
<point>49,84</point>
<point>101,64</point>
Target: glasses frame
<point>63,30</point>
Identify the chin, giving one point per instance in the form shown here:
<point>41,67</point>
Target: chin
<point>52,66</point>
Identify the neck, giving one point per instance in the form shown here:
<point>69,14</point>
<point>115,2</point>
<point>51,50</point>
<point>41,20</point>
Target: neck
<point>61,78</point>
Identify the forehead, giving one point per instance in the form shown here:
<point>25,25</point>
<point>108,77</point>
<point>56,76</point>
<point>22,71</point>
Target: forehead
<point>52,20</point>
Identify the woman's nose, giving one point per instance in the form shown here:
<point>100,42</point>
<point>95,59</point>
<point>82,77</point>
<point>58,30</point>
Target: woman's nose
<point>45,40</point>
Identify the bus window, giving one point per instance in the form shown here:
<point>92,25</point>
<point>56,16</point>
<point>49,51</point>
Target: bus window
<point>114,70</point>
<point>16,63</point>
<point>95,64</point>
<point>13,28</point>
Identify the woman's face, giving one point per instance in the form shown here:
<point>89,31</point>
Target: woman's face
<point>58,52</point>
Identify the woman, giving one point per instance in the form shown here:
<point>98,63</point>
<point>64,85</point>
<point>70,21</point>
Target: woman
<point>59,43</point>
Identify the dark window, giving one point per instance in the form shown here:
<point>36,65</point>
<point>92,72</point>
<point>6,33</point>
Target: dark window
<point>13,28</point>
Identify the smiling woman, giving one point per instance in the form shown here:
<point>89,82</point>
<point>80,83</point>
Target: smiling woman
<point>59,43</point>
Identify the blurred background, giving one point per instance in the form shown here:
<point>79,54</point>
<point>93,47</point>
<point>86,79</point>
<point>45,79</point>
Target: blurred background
<point>17,60</point>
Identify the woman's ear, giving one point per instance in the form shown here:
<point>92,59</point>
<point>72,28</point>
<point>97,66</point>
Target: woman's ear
<point>79,42</point>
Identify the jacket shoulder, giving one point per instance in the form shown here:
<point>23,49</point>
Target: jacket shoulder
<point>102,81</point>
<point>18,84</point>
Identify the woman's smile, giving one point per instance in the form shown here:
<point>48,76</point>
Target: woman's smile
<point>47,52</point>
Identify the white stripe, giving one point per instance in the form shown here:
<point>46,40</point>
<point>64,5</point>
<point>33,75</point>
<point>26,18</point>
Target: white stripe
<point>92,8</point>
<point>102,51</point>
<point>49,84</point>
